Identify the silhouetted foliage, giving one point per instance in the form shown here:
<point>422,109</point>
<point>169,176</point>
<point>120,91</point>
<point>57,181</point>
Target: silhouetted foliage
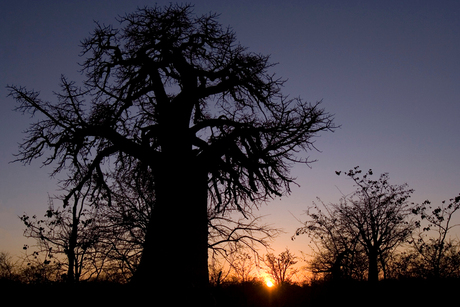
<point>174,99</point>
<point>373,220</point>
<point>40,268</point>
<point>254,293</point>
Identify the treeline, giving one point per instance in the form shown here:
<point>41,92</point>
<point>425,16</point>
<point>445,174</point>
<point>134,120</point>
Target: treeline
<point>23,286</point>
<point>372,234</point>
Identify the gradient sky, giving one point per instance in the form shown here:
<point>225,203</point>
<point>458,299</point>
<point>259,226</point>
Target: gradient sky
<point>388,70</point>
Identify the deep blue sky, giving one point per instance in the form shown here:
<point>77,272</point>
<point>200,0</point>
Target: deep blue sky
<point>388,70</point>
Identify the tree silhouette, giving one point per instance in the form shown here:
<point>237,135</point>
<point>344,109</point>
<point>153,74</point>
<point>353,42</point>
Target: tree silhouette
<point>375,217</point>
<point>337,254</point>
<point>243,265</point>
<point>69,231</point>
<point>438,255</point>
<point>281,267</point>
<point>174,98</point>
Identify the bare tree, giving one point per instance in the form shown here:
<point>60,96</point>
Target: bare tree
<point>281,267</point>
<point>175,96</point>
<point>375,217</point>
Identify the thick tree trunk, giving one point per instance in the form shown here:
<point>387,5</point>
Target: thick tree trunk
<point>176,248</point>
<point>175,255</point>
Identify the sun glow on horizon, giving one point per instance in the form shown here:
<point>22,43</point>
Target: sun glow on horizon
<point>269,283</point>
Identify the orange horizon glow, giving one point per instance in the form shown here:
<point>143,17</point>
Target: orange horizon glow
<point>269,283</point>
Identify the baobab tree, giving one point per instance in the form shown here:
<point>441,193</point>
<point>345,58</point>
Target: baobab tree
<point>176,99</point>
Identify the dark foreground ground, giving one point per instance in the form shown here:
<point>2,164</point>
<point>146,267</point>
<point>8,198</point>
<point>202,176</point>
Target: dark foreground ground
<point>385,293</point>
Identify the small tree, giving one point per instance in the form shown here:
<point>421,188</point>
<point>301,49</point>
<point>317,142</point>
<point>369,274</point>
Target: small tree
<point>65,231</point>
<point>243,266</point>
<point>281,267</point>
<point>439,255</point>
<point>336,254</point>
<point>375,217</point>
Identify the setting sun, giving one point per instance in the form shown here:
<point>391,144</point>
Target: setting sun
<point>269,283</point>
